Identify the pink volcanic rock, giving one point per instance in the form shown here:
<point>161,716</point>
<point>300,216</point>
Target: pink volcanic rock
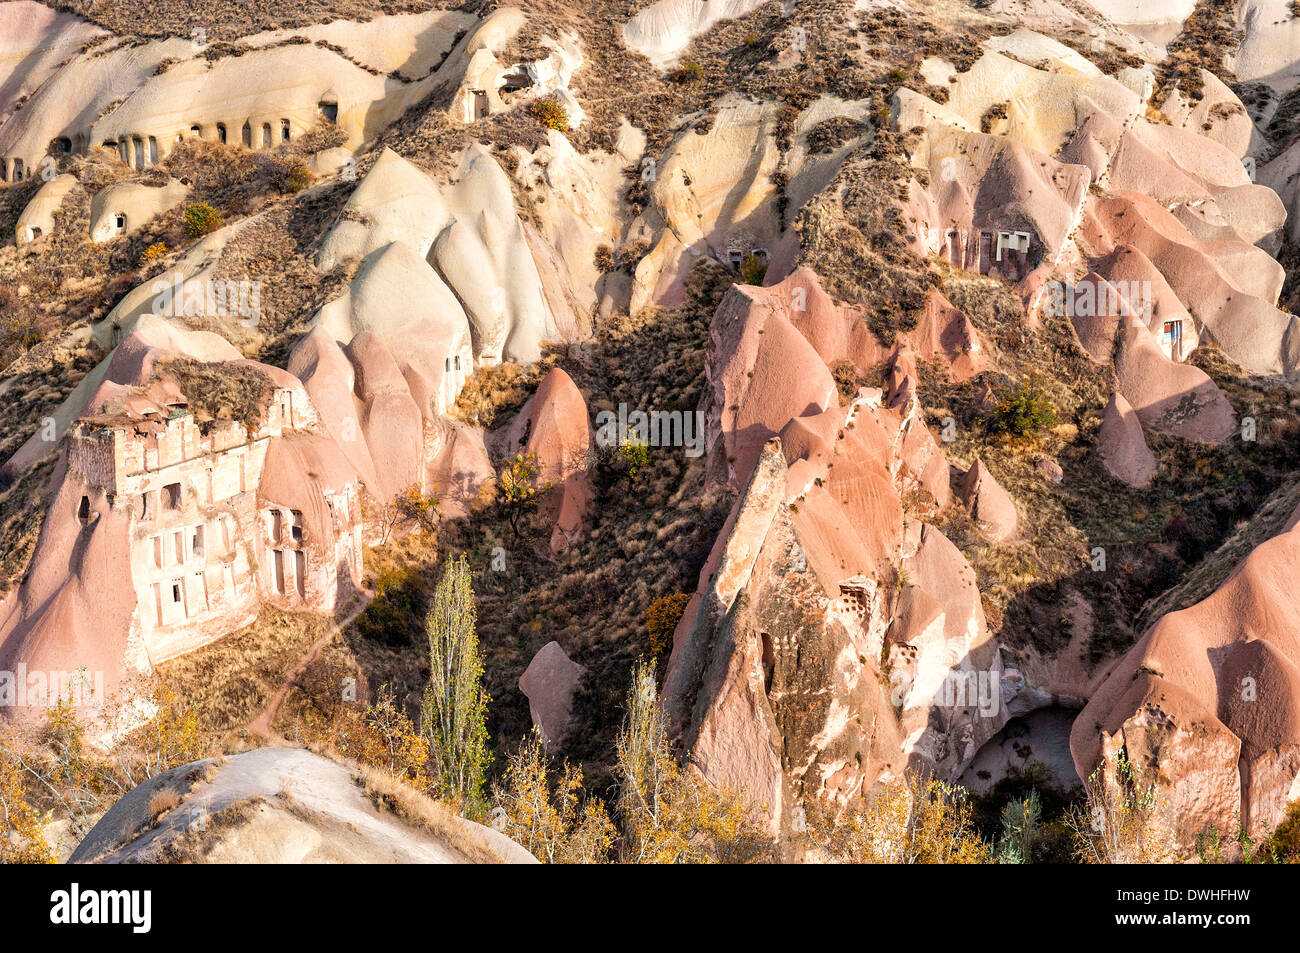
<point>549,683</point>
<point>900,381</point>
<point>391,421</point>
<point>1229,287</point>
<point>763,373</point>
<point>1050,470</point>
<point>330,379</point>
<point>1122,445</point>
<point>78,606</point>
<point>1031,291</point>
<point>943,331</point>
<point>74,606</point>
<point>460,469</point>
<point>1095,311</point>
<point>991,507</point>
<point>1204,183</point>
<point>1170,397</point>
<point>1209,698</point>
<point>554,425</point>
<point>1127,268</point>
<point>836,332</point>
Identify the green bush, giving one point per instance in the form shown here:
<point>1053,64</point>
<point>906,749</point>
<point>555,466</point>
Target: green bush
<point>1023,409</point>
<point>200,219</point>
<point>752,270</point>
<point>661,620</point>
<point>688,72</point>
<point>550,114</point>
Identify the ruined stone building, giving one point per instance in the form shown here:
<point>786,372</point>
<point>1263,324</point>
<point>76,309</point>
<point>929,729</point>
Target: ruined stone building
<point>204,540</point>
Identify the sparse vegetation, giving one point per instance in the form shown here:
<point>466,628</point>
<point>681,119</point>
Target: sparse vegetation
<point>669,815</point>
<point>550,114</point>
<point>222,390</point>
<point>552,819</point>
<point>520,487</point>
<point>902,822</point>
<point>1022,410</point>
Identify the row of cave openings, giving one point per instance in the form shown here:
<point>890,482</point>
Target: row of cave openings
<point>142,151</point>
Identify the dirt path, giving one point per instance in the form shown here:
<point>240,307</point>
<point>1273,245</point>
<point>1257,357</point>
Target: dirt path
<point>261,725</point>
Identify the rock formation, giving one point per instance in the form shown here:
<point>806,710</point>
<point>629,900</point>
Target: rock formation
<point>283,806</point>
<point>549,682</point>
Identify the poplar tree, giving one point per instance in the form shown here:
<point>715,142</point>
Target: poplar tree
<point>454,714</point>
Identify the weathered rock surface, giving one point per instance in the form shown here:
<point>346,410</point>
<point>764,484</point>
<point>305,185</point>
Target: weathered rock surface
<point>282,806</point>
<point>1122,445</point>
<point>991,506</point>
<point>549,683</point>
<point>1207,701</point>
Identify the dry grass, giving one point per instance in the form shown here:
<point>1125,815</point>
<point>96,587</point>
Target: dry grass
<point>227,19</point>
<point>423,813</point>
<point>160,802</point>
<point>1208,34</point>
<point>231,680</point>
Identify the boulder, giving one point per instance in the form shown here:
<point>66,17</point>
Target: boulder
<point>1123,447</point>
<point>549,683</point>
<point>286,806</point>
<point>991,506</point>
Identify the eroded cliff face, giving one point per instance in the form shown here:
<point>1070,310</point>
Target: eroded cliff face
<point>836,639</point>
<point>1206,702</point>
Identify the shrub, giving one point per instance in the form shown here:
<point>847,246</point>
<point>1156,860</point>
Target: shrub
<point>688,72</point>
<point>661,620</point>
<point>1124,819</point>
<point>392,615</point>
<point>1023,409</point>
<point>553,822</point>
<point>671,815</point>
<point>151,254</point>
<point>289,175</point>
<point>201,219</point>
<point>752,270</point>
<point>412,509</point>
<point>632,455</point>
<point>603,259</point>
<point>904,821</point>
<point>550,114</point>
<point>520,487</point>
<point>1286,839</point>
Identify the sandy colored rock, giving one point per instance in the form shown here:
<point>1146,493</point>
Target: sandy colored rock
<point>284,806</point>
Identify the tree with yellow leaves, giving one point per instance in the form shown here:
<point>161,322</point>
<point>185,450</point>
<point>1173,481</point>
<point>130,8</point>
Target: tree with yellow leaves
<point>556,825</point>
<point>388,740</point>
<point>1122,820</point>
<point>670,815</point>
<point>904,821</point>
<point>520,487</point>
<point>21,823</point>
